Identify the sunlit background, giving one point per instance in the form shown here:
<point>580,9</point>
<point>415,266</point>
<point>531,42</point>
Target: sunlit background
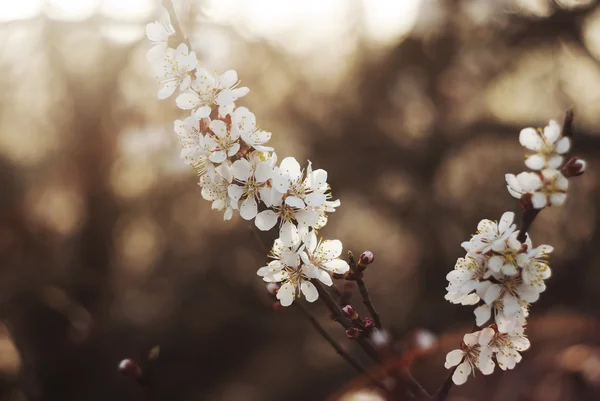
<point>414,108</point>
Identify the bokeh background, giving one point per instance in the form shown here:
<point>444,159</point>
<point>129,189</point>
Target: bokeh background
<point>413,107</point>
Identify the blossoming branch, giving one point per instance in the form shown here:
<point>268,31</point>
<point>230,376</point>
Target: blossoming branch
<point>502,272</point>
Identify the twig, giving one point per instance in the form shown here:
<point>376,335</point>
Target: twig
<point>339,316</point>
<point>353,362</point>
<point>368,303</point>
<point>168,5</point>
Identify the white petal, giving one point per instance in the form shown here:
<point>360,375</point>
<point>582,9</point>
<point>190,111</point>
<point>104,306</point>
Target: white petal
<point>235,192</point>
<point>551,132</point>
<point>495,263</point>
<point>331,249</point>
<point>218,156</point>
<point>529,182</point>
<point>242,169</point>
<point>505,221</point>
<point>286,294</point>
<point>219,128</point>
<point>263,172</point>
<point>492,293</point>
<point>337,266</point>
<point>485,336</point>
<point>539,200</point>
<point>294,201</point>
<point>471,339</point>
<point>266,220</point>
<point>535,162</point>
<point>555,161</point>
<point>228,79</point>
<point>290,167</point>
<point>289,234</point>
<point>461,374</point>
<point>531,139</point>
<point>310,291</point>
<point>291,259</point>
<point>315,199</point>
<point>511,305</point>
<point>453,358</point>
<point>202,112</point>
<point>310,241</point>
<point>187,100</point>
<point>249,208</point>
<point>485,363</point>
<point>563,146</point>
<point>167,90</point>
<point>482,314</point>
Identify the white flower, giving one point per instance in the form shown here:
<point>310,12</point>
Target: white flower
<point>474,354</point>
<point>174,70</point>
<point>546,189</point>
<point>207,90</point>
<point>465,279</point>
<point>490,233</point>
<point>251,177</point>
<point>223,143</point>
<point>158,32</point>
<point>535,267</point>
<point>286,268</point>
<point>288,231</point>
<point>323,256</point>
<point>508,254</point>
<point>506,346</point>
<point>245,122</point>
<point>548,146</point>
<point>215,190</point>
<point>301,192</point>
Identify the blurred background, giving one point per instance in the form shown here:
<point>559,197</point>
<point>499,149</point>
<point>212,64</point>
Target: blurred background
<point>413,107</point>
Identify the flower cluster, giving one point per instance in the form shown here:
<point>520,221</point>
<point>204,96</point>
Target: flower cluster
<point>502,273</point>
<point>546,185</point>
<point>503,276</point>
<point>238,171</point>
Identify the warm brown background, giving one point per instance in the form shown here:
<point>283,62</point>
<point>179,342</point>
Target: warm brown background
<point>106,247</point>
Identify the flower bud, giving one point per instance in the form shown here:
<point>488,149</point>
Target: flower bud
<point>272,289</point>
<point>574,167</point>
<point>352,333</point>
<point>368,323</point>
<point>130,368</point>
<point>277,306</point>
<point>366,258</point>
<point>350,312</point>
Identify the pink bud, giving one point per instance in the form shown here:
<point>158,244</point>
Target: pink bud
<point>352,333</point>
<point>366,258</point>
<point>368,323</point>
<point>277,306</point>
<point>574,167</point>
<point>130,368</point>
<point>350,312</point>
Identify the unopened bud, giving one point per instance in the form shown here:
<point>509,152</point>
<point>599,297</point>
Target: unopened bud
<point>272,289</point>
<point>352,333</point>
<point>366,258</point>
<point>130,368</point>
<point>574,167</point>
<point>350,312</point>
<point>368,323</point>
<point>277,306</point>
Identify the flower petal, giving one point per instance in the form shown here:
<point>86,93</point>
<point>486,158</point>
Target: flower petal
<point>309,290</point>
<point>531,139</point>
<point>266,220</point>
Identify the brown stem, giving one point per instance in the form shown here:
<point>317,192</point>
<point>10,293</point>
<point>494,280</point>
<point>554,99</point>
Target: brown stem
<point>368,303</point>
<point>353,362</point>
<point>325,296</point>
<point>179,35</point>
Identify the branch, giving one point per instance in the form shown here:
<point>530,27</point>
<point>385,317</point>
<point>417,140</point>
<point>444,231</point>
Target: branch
<point>179,35</point>
<point>367,301</point>
<point>355,364</point>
